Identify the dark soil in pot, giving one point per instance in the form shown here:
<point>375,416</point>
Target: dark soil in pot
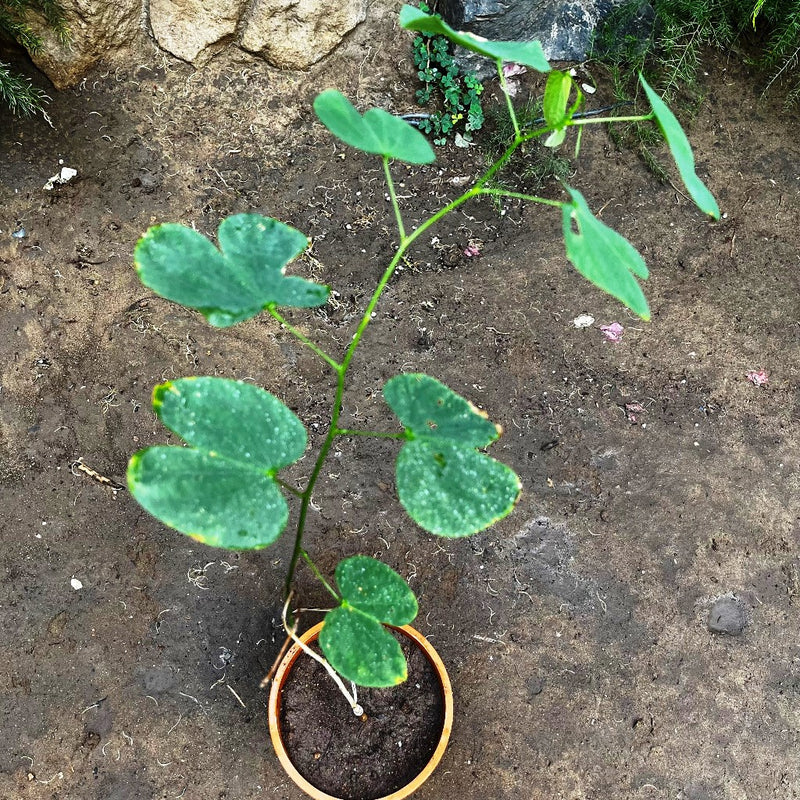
<point>362,758</point>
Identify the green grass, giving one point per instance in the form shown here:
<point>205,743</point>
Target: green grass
<point>16,92</point>
<point>671,56</point>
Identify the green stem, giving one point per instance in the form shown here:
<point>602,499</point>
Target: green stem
<point>303,338</point>
<point>520,196</point>
<point>315,473</point>
<point>509,104</point>
<point>319,575</point>
<point>406,240</point>
<point>374,434</point>
<point>289,487</point>
<point>501,162</point>
<point>392,194</point>
<point>598,120</point>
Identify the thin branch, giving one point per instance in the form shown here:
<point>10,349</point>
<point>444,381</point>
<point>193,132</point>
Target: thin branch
<point>600,120</point>
<point>304,339</point>
<point>509,104</point>
<point>520,196</point>
<point>374,434</point>
<point>319,575</point>
<point>393,195</point>
<point>289,487</point>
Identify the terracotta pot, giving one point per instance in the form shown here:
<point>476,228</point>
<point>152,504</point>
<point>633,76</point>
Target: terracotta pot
<point>275,708</point>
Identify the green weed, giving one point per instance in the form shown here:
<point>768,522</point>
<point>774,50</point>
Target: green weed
<point>458,92</point>
<point>16,91</point>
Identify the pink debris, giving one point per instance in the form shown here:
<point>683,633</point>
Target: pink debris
<point>512,70</point>
<point>472,249</point>
<point>613,332</point>
<point>630,408</point>
<point>758,377</point>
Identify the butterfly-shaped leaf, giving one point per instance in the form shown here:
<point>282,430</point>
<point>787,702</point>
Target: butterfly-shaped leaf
<point>529,54</point>
<point>602,255</point>
<point>360,649</point>
<point>353,638</point>
<point>377,131</point>
<point>233,283</point>
<point>682,152</point>
<point>221,489</point>
<point>444,483</point>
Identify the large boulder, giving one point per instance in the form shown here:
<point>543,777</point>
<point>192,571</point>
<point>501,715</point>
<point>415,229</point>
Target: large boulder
<point>563,28</point>
<point>194,30</point>
<point>97,28</point>
<point>289,34</point>
<point>294,34</point>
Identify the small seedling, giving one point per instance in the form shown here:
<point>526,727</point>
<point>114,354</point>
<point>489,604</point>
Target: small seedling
<point>223,486</point>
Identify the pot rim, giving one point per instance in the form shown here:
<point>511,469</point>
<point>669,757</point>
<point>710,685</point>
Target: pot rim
<point>275,705</point>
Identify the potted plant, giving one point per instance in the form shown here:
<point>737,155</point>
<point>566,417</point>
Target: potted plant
<point>224,487</point>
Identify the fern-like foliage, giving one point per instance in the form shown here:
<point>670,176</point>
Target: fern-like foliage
<point>17,92</point>
<point>680,29</point>
<point>782,51</point>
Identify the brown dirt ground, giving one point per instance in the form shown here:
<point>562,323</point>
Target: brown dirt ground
<point>575,630</point>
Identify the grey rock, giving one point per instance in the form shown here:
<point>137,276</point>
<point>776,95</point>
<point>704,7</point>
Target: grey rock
<point>727,615</point>
<point>564,28</point>
<point>535,686</point>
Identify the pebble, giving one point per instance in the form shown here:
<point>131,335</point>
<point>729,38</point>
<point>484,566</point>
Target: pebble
<point>728,616</point>
<point>535,686</point>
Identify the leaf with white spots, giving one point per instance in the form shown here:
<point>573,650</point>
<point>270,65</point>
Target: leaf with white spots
<point>445,484</point>
<point>221,489</point>
<point>236,281</point>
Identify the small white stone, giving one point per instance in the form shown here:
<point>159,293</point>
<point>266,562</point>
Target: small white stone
<point>75,584</point>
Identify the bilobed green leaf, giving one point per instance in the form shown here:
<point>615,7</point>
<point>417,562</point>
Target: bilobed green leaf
<point>556,97</point>
<point>530,54</point>
<point>602,255</point>
<point>377,131</point>
<point>444,483</point>
<point>376,589</point>
<point>221,489</point>
<point>428,408</point>
<point>233,283</point>
<point>451,490</point>
<point>682,152</point>
<point>361,650</point>
<point>218,502</point>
